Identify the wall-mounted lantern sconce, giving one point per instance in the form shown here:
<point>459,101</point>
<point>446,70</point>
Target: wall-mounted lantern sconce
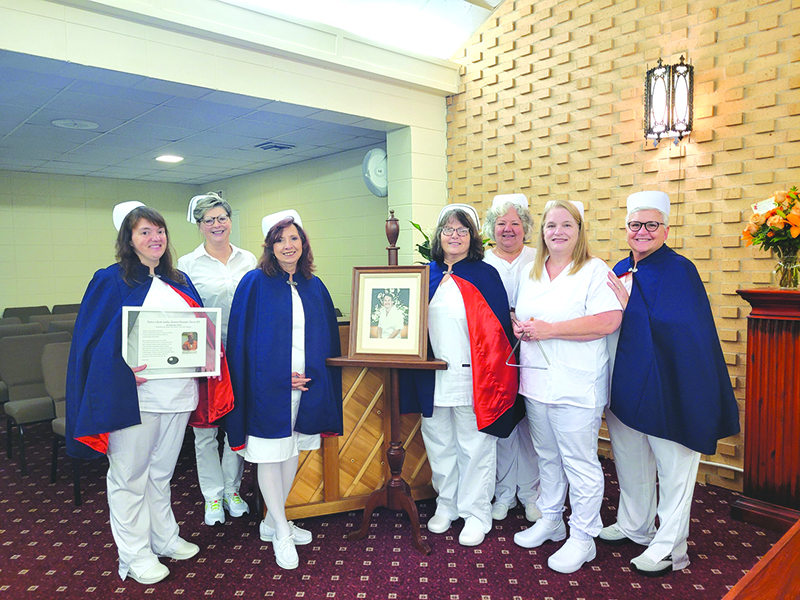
<point>668,97</point>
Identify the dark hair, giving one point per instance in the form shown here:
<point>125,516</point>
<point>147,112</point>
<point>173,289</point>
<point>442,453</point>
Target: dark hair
<point>269,262</point>
<point>475,242</point>
<point>126,255</point>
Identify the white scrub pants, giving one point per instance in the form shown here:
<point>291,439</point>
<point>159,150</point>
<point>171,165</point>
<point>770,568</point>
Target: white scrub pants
<point>565,438</point>
<point>141,461</point>
<point>517,468</point>
<point>462,463</point>
<point>217,477</point>
<point>639,458</point>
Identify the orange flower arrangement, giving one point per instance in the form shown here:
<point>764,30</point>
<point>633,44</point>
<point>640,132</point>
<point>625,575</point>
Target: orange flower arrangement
<point>775,225</point>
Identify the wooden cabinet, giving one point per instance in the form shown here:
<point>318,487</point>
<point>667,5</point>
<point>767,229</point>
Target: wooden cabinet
<point>771,495</point>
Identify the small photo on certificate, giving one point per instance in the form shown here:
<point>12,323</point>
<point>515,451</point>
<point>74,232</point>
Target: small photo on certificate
<point>172,343</point>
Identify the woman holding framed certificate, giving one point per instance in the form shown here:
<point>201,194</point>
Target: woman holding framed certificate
<point>216,266</point>
<point>282,329</point>
<point>138,424</point>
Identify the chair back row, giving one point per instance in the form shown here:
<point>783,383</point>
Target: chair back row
<point>54,373</point>
<point>24,313</point>
<point>21,363</point>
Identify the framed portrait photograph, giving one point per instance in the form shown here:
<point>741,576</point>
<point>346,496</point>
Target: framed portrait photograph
<point>389,313</point>
<point>172,343</point>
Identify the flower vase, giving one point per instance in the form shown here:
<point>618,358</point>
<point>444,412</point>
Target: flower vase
<point>788,269</point>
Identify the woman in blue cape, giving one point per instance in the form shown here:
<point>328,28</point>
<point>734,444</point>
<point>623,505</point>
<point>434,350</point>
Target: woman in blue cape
<point>468,405</point>
<point>111,409</point>
<point>282,328</point>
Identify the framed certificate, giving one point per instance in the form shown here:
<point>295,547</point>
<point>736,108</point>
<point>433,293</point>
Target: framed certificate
<point>172,343</point>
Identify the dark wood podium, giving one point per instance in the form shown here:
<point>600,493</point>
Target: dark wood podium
<point>771,495</point>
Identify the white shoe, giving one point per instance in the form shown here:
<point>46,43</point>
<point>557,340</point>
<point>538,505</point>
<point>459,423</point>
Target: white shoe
<point>472,534</point>
<point>532,513</point>
<point>285,552</point>
<point>540,532</point>
<point>613,536</point>
<point>235,505</point>
<point>153,575</point>
<point>645,566</point>
<point>438,524</point>
<point>301,536</point>
<point>500,510</point>
<point>214,512</point>
<point>183,551</point>
<point>572,555</point>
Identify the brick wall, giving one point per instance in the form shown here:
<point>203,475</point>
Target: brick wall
<point>551,105</point>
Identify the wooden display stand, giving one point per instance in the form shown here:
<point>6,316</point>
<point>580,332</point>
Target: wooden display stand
<point>771,495</point>
<point>396,494</point>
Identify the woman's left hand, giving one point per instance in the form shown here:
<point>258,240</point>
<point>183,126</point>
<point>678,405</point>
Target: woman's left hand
<point>299,381</point>
<point>536,329</point>
<point>139,380</point>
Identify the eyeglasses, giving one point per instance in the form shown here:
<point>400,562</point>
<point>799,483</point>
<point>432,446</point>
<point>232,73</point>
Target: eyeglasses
<point>461,231</point>
<point>651,226</point>
<point>209,221</point>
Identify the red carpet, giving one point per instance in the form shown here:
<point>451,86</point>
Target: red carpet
<point>52,550</point>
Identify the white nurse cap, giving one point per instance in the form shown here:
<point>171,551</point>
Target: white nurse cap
<point>649,199</point>
<point>520,200</point>
<point>470,210</point>
<point>270,221</point>
<point>121,211</point>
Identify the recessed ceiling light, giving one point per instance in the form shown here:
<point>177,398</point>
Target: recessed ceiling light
<point>74,124</point>
<point>169,158</point>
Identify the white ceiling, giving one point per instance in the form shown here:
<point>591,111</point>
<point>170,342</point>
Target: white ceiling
<point>140,118</point>
<point>429,27</point>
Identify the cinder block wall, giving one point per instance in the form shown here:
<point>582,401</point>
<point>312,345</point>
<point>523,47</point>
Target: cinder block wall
<point>551,105</point>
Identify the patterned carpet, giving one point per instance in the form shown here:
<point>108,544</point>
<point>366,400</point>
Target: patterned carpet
<point>49,549</point>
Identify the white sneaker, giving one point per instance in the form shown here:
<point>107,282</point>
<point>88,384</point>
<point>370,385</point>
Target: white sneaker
<point>532,513</point>
<point>183,551</point>
<point>472,534</point>
<point>152,575</point>
<point>500,510</point>
<point>235,505</point>
<point>438,524</point>
<point>285,553</point>
<point>647,567</point>
<point>214,512</point>
<point>540,532</point>
<point>301,536</point>
<point>572,555</point>
<point>613,536</point>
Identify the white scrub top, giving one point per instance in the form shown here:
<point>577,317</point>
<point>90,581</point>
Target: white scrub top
<point>511,272</point>
<point>447,326</point>
<point>578,373</point>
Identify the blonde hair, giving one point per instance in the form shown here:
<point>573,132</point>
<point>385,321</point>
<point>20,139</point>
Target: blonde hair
<point>580,254</point>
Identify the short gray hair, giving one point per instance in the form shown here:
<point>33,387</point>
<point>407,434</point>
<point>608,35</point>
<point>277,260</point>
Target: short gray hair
<point>208,201</point>
<point>664,218</point>
<point>501,209</point>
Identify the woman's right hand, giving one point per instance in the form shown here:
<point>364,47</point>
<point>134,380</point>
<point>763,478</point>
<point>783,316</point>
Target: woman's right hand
<point>518,329</point>
<point>139,380</point>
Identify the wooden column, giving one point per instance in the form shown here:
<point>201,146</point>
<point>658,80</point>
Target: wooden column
<point>771,495</point>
